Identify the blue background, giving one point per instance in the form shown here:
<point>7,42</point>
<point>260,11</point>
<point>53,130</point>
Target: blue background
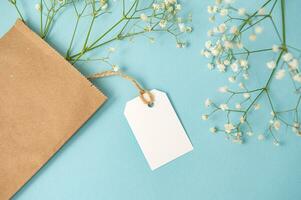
<point>103,160</point>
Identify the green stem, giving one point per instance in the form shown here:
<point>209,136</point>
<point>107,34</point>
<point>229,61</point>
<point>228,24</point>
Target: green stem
<point>255,51</point>
<point>18,11</point>
<point>249,18</point>
<point>80,54</point>
<point>274,70</point>
<point>256,98</point>
<point>89,31</point>
<point>41,18</point>
<point>77,56</point>
<point>283,22</point>
<point>73,36</point>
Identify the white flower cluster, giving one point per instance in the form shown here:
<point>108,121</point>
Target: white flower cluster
<point>55,3</point>
<point>228,51</point>
<point>291,62</point>
<point>137,17</point>
<point>226,39</point>
<point>293,66</point>
<point>165,13</point>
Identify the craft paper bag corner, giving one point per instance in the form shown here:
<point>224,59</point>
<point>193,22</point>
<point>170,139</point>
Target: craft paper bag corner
<point>44,100</point>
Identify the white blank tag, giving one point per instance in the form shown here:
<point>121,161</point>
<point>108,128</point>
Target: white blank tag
<point>157,129</point>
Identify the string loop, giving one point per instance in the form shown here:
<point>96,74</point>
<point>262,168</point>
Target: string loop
<point>146,96</point>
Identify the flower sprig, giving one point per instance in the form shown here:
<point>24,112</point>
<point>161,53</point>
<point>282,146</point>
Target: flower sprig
<point>229,53</point>
<point>137,18</point>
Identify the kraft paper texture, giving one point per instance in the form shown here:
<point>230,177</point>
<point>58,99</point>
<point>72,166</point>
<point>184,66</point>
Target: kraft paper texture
<point>43,101</point>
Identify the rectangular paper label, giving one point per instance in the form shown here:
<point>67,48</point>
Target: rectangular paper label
<point>157,129</point>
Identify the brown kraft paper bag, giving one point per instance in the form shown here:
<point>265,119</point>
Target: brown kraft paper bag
<point>44,100</point>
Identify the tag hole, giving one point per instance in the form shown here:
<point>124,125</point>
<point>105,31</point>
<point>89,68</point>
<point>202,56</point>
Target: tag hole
<point>150,105</point>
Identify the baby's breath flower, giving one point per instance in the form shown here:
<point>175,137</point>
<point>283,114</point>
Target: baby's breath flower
<point>241,11</point>
<point>170,2</point>
<point>222,28</point>
<point>156,6</point>
<point>221,67</point>
<point>206,53</point>
<point>239,45</point>
<point>163,23</point>
<point>258,29</point>
<point>246,76</point>
<point>210,66</point>
<point>208,102</point>
<point>62,1</point>
<point>112,49</point>
<point>212,9</point>
<point>234,67</point>
<point>211,19</point>
<point>210,33</point>
<point>223,107</point>
<point>152,40</point>
<point>223,89</point>
<point>250,133</point>
<point>252,37</point>
<point>104,6</point>
<point>228,44</point>
<point>188,29</point>
<point>256,106</point>
<point>234,30</point>
<point>275,48</point>
<point>243,63</point>
<point>148,28</point>
<point>183,45</point>
<point>208,44</point>
<point>216,51</point>
<point>229,127</point>
<point>237,139</point>
<point>227,62</point>
<point>261,11</point>
<point>238,106</point>
<point>182,27</point>
<point>115,68</point>
<point>143,17</point>
<point>277,124</point>
<point>224,12</point>
<point>280,74</point>
<point>276,143</point>
<point>260,137</point>
<point>232,79</point>
<point>217,2</point>
<point>246,95</point>
<point>297,78</point>
<point>287,57</point>
<point>295,127</point>
<point>215,30</point>
<point>38,7</point>
<point>178,7</point>
<point>271,64</point>
<point>205,117</point>
<point>241,85</point>
<point>213,129</point>
<point>294,64</point>
<point>228,1</point>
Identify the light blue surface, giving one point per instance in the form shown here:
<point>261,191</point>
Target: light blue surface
<point>103,160</point>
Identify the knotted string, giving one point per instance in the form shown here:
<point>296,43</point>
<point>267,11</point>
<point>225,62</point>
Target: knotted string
<point>149,100</point>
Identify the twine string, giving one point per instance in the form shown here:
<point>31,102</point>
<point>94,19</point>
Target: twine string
<point>145,95</point>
